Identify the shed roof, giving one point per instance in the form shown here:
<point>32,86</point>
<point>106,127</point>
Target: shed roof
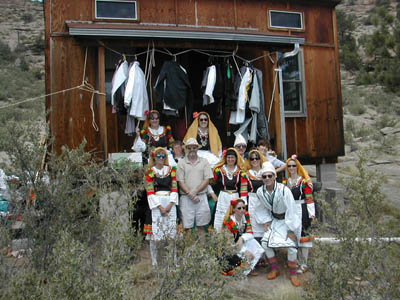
<point>89,29</point>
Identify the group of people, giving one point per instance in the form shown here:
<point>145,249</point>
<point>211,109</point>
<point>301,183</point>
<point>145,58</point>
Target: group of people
<point>261,213</point>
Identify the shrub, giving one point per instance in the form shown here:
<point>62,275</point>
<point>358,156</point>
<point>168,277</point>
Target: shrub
<point>385,121</point>
<point>6,55</point>
<point>357,108</point>
<point>75,253</point>
<point>27,18</point>
<point>364,268</point>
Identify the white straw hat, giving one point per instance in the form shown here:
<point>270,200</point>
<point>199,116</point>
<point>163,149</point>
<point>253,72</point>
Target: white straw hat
<point>191,142</point>
<point>267,167</point>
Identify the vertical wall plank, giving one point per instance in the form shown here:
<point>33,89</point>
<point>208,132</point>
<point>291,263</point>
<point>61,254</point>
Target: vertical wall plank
<point>102,98</point>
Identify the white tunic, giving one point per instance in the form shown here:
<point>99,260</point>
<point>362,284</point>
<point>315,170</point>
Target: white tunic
<point>136,98</point>
<point>280,201</point>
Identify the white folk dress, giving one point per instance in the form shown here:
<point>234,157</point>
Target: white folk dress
<point>279,202</point>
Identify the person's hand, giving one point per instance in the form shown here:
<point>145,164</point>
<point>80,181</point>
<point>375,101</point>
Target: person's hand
<point>168,208</point>
<point>192,194</point>
<point>291,236</point>
<point>215,198</point>
<point>137,130</point>
<point>162,210</point>
<point>266,226</point>
<point>196,199</point>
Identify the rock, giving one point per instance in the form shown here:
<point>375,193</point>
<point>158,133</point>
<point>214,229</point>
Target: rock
<point>389,130</point>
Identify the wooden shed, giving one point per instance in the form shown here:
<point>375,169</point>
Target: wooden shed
<point>85,39</point>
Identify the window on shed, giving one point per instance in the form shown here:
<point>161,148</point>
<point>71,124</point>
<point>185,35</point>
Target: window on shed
<point>116,9</point>
<point>294,86</point>
<point>286,19</point>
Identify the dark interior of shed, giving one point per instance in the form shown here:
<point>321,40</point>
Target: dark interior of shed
<point>195,64</point>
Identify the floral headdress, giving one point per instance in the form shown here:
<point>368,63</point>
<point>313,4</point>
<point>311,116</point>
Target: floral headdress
<point>148,113</point>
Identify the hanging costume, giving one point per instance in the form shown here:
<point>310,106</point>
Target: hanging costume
<point>136,99</point>
<point>208,84</point>
<point>173,87</point>
<point>255,126</point>
<point>118,87</point>
<point>238,116</point>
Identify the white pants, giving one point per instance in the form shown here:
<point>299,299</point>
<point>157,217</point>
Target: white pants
<point>291,253</point>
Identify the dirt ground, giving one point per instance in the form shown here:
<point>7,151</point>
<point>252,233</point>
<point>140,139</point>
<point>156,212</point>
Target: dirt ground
<point>255,287</point>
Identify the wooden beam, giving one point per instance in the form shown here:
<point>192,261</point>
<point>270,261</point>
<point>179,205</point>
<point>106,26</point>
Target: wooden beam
<point>102,99</point>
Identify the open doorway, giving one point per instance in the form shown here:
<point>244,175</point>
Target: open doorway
<point>195,63</point>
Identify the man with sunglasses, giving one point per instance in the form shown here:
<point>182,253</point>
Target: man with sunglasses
<point>193,175</point>
<point>282,223</point>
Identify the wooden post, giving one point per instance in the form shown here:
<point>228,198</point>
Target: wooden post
<point>102,100</point>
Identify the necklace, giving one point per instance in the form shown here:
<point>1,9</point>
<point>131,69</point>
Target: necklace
<point>229,173</point>
<point>160,172</point>
<point>203,136</point>
<point>155,133</point>
<point>292,181</point>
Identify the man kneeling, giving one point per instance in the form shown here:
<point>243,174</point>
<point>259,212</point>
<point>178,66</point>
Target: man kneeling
<point>282,224</point>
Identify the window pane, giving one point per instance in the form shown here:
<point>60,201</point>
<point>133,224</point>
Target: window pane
<point>284,19</point>
<point>292,96</point>
<point>119,10</point>
<point>290,68</point>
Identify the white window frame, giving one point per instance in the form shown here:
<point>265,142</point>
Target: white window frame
<point>286,12</point>
<point>303,103</point>
<point>124,1</point>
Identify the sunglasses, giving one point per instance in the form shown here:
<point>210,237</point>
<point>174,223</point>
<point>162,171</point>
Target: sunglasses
<point>267,176</point>
<point>203,120</point>
<point>240,208</point>
<point>191,147</point>
<point>241,146</point>
<point>160,156</point>
<point>292,166</point>
<point>156,118</point>
<point>254,158</point>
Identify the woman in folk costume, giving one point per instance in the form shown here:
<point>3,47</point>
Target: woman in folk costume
<point>237,221</point>
<point>153,135</point>
<point>282,224</point>
<point>230,178</point>
<point>253,165</point>
<point>299,182</point>
<point>162,196</point>
<point>204,131</point>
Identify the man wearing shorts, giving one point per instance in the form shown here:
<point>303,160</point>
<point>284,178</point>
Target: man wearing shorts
<point>193,175</point>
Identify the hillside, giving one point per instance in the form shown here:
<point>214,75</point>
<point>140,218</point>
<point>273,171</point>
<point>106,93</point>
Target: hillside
<point>371,113</point>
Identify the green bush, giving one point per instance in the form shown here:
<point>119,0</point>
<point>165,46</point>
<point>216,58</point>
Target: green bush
<point>357,108</point>
<point>79,252</point>
<point>6,55</point>
<point>386,121</point>
<point>359,265</point>
<point>27,18</point>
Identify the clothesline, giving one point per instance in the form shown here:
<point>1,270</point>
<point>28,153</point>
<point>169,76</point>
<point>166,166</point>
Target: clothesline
<point>165,51</point>
<point>84,86</point>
